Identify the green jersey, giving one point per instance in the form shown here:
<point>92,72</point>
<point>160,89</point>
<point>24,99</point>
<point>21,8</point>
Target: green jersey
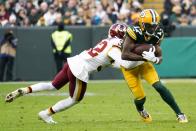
<point>136,34</point>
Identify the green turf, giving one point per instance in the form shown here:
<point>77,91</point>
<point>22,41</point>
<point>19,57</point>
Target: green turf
<point>110,109</point>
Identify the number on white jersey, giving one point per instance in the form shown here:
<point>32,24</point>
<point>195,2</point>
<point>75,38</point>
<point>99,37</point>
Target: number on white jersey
<point>97,49</point>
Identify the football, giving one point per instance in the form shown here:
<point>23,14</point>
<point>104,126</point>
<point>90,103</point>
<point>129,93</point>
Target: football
<point>139,48</point>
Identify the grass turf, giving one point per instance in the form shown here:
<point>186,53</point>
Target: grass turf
<point>110,108</point>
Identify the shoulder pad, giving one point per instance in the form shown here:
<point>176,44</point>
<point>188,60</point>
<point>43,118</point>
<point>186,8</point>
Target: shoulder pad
<point>116,42</point>
<point>131,33</point>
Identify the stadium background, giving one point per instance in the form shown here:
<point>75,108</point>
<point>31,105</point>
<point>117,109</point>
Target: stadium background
<point>30,21</point>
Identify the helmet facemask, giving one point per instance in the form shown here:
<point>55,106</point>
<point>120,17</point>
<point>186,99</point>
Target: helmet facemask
<point>149,29</point>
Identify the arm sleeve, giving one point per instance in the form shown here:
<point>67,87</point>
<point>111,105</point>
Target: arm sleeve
<point>67,43</point>
<point>115,54</point>
<point>53,45</point>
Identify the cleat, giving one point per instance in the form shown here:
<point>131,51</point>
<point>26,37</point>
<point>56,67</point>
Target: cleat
<point>13,95</point>
<point>182,118</point>
<point>43,115</point>
<point>146,117</point>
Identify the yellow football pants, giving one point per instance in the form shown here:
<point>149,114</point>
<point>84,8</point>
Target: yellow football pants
<point>133,78</point>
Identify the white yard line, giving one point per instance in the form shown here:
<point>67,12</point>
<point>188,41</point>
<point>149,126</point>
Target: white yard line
<point>57,94</point>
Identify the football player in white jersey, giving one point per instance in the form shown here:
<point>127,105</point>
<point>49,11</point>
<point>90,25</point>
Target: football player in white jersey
<point>76,71</point>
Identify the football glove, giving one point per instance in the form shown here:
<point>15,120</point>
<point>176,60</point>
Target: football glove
<point>150,56</point>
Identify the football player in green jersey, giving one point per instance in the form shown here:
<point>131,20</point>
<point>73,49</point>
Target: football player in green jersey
<point>147,31</point>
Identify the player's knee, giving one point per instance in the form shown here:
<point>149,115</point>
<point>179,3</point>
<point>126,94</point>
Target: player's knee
<point>51,87</point>
<point>159,86</point>
<point>75,100</point>
<point>140,97</point>
<point>138,94</point>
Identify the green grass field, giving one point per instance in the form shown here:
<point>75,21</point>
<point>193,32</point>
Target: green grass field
<point>108,106</point>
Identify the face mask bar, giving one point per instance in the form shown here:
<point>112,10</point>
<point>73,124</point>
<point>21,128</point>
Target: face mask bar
<point>150,28</point>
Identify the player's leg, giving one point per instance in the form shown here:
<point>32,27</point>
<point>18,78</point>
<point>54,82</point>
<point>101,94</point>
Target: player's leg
<point>150,75</point>
<point>133,80</point>
<point>77,90</point>
<point>60,79</point>
<point>3,62</point>
<point>9,70</point>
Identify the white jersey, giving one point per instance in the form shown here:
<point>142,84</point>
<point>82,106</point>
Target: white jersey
<point>96,58</point>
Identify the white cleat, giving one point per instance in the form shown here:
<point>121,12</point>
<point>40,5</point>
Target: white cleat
<point>46,118</point>
<point>182,118</point>
<point>13,95</point>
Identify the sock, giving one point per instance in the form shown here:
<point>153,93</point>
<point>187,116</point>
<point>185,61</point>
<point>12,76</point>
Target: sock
<point>63,105</point>
<point>167,96</point>
<point>38,87</point>
<point>140,104</point>
<point>27,90</point>
<point>50,111</point>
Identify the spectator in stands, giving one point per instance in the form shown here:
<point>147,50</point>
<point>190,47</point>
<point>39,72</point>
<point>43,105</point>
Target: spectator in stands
<point>168,6</point>
<point>42,9</point>
<point>41,22</point>
<point>95,19</point>
<point>10,6</point>
<point>12,21</point>
<point>123,10</point>
<point>186,6</point>
<point>105,4</point>
<point>113,10</point>
<point>176,14</point>
<point>112,14</point>
<point>102,15</point>
<point>85,5</point>
<point>80,18</point>
<point>50,15</point>
<point>20,5</point>
<point>22,17</point>
<point>58,19</point>
<point>184,21</point>
<point>29,6</point>
<point>4,15</point>
<point>33,17</point>
<point>192,16</point>
<point>69,11</point>
<point>167,24</point>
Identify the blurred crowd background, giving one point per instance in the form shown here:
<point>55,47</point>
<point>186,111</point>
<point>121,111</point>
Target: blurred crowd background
<point>27,13</point>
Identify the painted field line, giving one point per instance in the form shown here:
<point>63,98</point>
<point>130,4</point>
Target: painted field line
<point>53,94</point>
<point>58,94</point>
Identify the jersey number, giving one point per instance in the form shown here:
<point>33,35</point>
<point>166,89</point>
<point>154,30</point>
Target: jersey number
<point>138,30</point>
<point>97,49</point>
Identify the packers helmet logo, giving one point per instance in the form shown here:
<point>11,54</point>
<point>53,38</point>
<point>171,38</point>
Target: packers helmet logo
<point>149,16</point>
<point>142,14</point>
<point>148,19</point>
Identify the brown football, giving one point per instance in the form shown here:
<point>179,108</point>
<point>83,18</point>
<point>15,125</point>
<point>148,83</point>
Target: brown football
<point>139,48</point>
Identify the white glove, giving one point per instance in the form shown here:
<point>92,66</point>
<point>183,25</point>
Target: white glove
<point>150,56</point>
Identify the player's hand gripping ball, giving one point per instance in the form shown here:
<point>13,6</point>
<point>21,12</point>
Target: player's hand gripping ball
<point>140,48</point>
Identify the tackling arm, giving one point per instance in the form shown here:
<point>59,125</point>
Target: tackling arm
<point>115,54</point>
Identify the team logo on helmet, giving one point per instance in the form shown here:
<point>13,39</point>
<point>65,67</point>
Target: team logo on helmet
<point>117,30</point>
<point>148,21</point>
